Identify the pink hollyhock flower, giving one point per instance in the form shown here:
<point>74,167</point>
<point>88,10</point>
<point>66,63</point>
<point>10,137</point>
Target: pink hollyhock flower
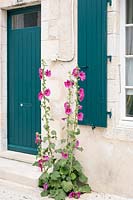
<point>77,144</point>
<point>75,72</point>
<point>40,164</point>
<point>64,155</point>
<point>80,116</point>
<point>81,94</point>
<point>68,110</point>
<point>47,92</point>
<point>48,73</point>
<point>46,158</point>
<point>81,91</point>
<point>38,139</point>
<point>45,186</point>
<point>80,107</point>
<point>82,76</point>
<point>68,84</point>
<point>77,195</point>
<point>66,104</point>
<point>40,73</point>
<point>71,194</point>
<point>40,96</point>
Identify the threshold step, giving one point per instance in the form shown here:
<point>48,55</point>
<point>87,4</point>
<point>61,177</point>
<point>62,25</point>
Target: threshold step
<point>19,172</point>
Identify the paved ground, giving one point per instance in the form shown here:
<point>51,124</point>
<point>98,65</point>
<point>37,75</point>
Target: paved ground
<point>11,191</point>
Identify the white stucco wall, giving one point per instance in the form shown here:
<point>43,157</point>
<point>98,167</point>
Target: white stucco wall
<point>108,153</point>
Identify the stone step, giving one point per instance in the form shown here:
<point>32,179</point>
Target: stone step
<point>19,172</point>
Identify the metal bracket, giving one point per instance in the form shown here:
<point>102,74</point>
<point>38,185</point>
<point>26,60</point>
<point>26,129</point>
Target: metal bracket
<point>110,2</point>
<point>109,58</point>
<point>109,114</point>
<point>93,127</point>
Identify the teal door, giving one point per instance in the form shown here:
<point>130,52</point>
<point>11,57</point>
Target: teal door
<point>24,38</point>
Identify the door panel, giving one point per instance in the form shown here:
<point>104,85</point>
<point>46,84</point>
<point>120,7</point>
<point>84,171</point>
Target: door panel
<point>23,87</point>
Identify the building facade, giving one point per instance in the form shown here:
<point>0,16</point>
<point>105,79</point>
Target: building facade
<point>108,150</point>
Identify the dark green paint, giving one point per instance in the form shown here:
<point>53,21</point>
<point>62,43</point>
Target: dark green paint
<point>92,59</point>
<point>24,54</point>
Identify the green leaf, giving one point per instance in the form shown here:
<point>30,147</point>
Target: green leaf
<point>35,163</point>
<point>55,175</point>
<point>80,149</point>
<point>58,150</point>
<point>71,122</point>
<point>47,99</point>
<point>73,176</point>
<point>77,166</point>
<point>60,163</point>
<point>44,193</point>
<point>53,193</point>
<point>61,195</point>
<point>45,139</point>
<point>77,132</point>
<point>85,189</point>
<point>52,146</point>
<point>67,186</point>
<point>53,132</point>
<point>83,178</point>
<point>71,133</point>
<point>43,179</point>
<point>55,184</point>
<point>64,170</point>
<point>63,141</point>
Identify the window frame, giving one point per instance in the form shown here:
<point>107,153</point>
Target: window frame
<point>123,56</point>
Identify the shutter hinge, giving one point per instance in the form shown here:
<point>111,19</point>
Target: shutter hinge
<point>93,127</point>
<point>109,58</point>
<point>110,2</point>
<point>109,114</point>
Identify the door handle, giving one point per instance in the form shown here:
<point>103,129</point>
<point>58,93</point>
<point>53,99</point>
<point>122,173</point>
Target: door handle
<point>25,104</point>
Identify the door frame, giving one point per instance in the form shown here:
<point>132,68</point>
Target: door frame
<point>3,68</point>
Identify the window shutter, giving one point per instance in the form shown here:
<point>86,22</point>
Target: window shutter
<point>92,59</point>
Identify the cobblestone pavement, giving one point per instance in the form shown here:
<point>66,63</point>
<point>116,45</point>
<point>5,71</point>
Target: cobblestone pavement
<point>12,191</point>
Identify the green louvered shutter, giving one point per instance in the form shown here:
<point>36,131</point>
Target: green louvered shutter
<point>92,59</point>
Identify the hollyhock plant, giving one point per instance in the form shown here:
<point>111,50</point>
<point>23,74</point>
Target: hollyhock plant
<point>40,96</point>
<point>81,94</point>
<point>71,195</point>
<point>68,84</point>
<point>48,73</point>
<point>80,107</point>
<point>75,72</point>
<point>68,110</point>
<point>80,116</point>
<point>66,104</point>
<point>77,144</point>
<point>82,76</point>
<point>46,158</point>
<point>38,139</point>
<point>45,186</point>
<point>40,73</point>
<point>77,195</point>
<point>64,155</point>
<point>47,92</point>
<point>40,164</point>
<point>62,174</point>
